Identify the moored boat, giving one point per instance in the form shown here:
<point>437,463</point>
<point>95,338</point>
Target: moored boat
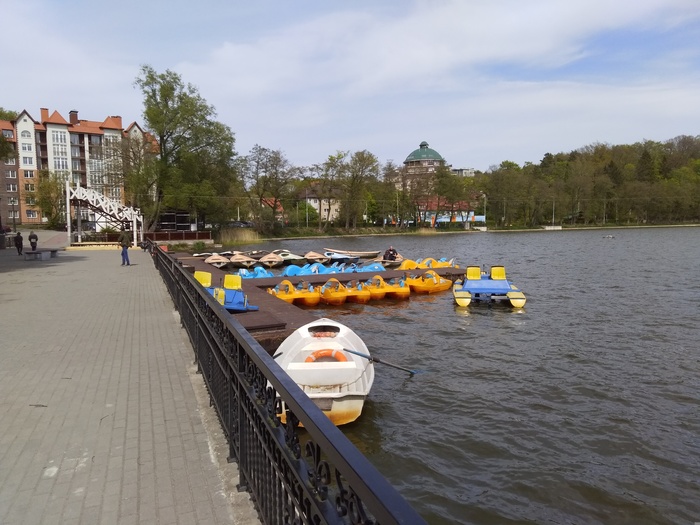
<point>357,292</point>
<point>429,282</point>
<point>397,288</point>
<point>231,296</point>
<point>377,287</point>
<point>271,260</point>
<point>303,294</point>
<point>289,257</point>
<point>341,258</point>
<point>351,253</point>
<point>240,260</point>
<point>313,257</point>
<point>217,260</point>
<point>337,381</point>
<point>479,286</point>
<point>333,292</point>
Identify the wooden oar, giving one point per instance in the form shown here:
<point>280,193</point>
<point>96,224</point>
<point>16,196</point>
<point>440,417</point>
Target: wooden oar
<point>377,360</point>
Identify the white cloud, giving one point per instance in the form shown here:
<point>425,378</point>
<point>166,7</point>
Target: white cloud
<point>482,82</point>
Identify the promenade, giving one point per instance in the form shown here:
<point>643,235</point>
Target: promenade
<point>103,419</point>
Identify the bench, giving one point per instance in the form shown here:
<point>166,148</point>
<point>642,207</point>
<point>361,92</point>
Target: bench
<point>41,254</point>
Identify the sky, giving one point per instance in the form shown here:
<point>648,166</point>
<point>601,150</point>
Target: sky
<point>481,81</point>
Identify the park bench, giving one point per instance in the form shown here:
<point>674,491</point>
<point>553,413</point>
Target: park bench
<point>43,254</point>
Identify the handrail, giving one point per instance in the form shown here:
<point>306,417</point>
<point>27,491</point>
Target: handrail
<point>294,476</point>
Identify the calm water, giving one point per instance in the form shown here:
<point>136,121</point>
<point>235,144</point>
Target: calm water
<point>582,408</point>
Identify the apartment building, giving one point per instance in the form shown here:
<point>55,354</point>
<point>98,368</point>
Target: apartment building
<point>85,152</point>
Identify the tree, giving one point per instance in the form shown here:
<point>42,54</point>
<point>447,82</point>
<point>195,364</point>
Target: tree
<point>7,149</point>
<point>50,197</point>
<point>362,167</point>
<point>183,126</point>
<point>268,177</point>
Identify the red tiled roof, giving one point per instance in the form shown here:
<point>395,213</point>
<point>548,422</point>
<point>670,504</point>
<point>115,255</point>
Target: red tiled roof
<point>56,118</point>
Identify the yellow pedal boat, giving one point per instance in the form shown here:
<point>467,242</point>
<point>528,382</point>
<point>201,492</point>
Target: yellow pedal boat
<point>429,282</point>
<point>333,292</point>
<point>303,294</point>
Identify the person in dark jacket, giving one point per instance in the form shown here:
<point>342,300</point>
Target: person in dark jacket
<point>19,243</point>
<point>125,241</point>
<point>33,240</point>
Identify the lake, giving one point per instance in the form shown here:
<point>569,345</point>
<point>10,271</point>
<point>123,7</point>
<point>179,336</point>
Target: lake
<point>581,408</point>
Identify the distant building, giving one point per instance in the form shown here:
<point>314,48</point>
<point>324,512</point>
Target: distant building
<point>464,172</point>
<point>84,152</point>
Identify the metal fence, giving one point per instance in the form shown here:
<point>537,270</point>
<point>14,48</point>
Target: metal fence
<point>310,475</point>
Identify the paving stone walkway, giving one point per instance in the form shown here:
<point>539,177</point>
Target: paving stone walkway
<point>103,419</point>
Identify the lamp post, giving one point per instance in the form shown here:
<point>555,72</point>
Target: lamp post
<point>2,232</point>
<point>14,224</point>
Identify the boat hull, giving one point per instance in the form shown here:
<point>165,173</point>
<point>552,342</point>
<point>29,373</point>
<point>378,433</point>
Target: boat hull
<point>338,382</point>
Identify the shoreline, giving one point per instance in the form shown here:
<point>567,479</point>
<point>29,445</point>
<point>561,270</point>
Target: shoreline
<point>431,231</point>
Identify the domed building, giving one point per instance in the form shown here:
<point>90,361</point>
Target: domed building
<point>423,160</point>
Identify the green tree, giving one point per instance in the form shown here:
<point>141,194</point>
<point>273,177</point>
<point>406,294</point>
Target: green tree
<point>268,177</point>
<point>7,149</point>
<point>50,197</point>
<point>183,126</point>
<point>362,167</point>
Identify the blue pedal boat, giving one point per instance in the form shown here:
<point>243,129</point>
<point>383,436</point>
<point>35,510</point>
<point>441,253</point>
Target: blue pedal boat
<point>479,286</point>
<point>230,296</point>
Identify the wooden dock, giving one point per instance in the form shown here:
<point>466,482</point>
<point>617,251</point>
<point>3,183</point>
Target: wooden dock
<point>277,319</point>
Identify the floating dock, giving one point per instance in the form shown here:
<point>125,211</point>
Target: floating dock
<point>277,319</point>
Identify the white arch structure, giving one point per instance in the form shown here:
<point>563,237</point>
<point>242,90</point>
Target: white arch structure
<point>110,207</point>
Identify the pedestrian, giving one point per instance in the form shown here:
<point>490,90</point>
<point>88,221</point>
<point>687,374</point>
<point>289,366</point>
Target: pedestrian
<point>19,243</point>
<point>33,240</point>
<point>125,241</point>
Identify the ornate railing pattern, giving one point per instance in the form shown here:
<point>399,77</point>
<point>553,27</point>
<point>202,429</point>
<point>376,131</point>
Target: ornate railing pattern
<point>295,476</point>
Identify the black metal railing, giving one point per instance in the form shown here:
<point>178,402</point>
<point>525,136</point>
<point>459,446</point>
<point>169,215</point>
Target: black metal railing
<point>310,475</point>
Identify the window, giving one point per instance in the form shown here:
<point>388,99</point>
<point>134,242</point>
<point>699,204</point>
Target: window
<point>12,188</point>
<point>27,161</point>
<point>12,174</point>
<point>26,146</point>
<point>31,214</point>
<point>74,139</point>
<point>29,187</point>
<point>60,164</point>
<point>76,165</point>
<point>30,200</point>
<point>26,135</point>
<point>8,133</point>
<point>75,151</point>
<point>10,162</point>
<point>28,174</point>
<point>95,140</point>
<point>58,137</point>
<point>60,150</point>
<point>12,201</point>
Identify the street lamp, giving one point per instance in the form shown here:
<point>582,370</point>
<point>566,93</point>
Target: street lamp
<point>14,224</point>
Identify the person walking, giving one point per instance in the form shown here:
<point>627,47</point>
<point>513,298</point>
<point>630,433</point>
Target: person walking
<point>124,241</point>
<point>19,243</point>
<point>33,240</point>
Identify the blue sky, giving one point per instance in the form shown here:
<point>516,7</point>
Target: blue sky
<point>481,82</point>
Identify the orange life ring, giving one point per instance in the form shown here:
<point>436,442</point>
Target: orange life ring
<point>327,352</point>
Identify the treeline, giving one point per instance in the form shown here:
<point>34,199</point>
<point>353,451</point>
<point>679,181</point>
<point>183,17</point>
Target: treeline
<point>187,161</point>
<point>643,183</point>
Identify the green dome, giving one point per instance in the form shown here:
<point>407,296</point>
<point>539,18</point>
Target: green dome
<point>423,153</point>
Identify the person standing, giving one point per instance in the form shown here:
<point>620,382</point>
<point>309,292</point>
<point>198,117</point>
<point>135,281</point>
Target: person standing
<point>124,241</point>
<point>19,243</point>
<point>33,240</point>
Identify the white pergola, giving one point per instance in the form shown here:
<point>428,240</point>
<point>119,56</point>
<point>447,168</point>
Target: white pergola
<point>109,207</point>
